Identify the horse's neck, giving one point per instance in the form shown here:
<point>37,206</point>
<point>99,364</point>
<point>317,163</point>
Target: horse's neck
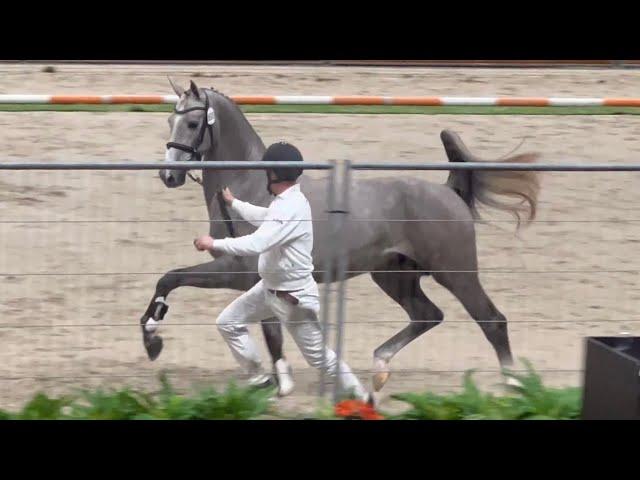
<point>239,143</point>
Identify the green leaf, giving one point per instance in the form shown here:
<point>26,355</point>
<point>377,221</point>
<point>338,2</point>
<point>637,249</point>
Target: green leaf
<point>42,407</point>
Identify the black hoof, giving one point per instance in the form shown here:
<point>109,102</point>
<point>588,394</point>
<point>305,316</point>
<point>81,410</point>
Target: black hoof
<point>371,401</point>
<point>154,347</point>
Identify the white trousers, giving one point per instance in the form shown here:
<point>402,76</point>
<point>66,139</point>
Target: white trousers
<point>302,322</point>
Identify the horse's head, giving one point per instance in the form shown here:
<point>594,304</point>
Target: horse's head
<point>194,131</point>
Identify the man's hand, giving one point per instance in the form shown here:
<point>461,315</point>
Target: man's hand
<point>228,196</point>
<point>203,243</point>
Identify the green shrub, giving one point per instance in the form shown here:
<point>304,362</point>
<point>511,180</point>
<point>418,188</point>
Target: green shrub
<point>235,403</point>
<point>531,401</point>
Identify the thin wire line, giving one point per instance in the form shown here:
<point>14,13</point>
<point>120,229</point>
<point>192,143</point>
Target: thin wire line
<point>391,220</point>
<point>252,272</point>
<point>353,323</point>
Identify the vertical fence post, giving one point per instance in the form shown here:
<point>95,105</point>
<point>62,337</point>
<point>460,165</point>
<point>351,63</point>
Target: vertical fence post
<point>342,261</point>
<point>328,273</point>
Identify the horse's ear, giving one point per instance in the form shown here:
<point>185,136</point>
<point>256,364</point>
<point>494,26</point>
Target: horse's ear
<point>194,89</point>
<point>179,90</point>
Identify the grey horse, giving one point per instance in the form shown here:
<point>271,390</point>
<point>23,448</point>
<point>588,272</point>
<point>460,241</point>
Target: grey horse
<point>209,126</point>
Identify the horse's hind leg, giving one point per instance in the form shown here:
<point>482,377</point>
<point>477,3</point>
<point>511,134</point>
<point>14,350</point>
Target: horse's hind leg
<point>467,288</point>
<point>404,288</point>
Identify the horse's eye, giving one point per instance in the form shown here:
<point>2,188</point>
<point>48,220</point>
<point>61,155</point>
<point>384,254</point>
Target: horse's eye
<point>192,125</point>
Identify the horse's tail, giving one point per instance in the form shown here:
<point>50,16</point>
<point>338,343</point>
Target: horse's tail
<point>491,187</point>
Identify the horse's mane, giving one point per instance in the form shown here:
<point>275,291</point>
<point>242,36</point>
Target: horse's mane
<point>221,94</point>
<point>188,93</point>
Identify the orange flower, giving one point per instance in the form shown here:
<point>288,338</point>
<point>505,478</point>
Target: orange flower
<point>347,408</point>
<point>356,409</point>
<point>368,413</point>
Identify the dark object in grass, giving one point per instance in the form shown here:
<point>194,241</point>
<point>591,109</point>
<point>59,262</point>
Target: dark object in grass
<point>611,372</point>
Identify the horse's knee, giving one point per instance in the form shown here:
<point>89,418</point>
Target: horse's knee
<point>422,325</point>
<point>425,318</point>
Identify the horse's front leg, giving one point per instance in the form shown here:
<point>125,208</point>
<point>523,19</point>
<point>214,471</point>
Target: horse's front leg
<point>214,274</point>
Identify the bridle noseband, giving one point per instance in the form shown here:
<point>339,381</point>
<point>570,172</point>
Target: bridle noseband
<point>206,126</point>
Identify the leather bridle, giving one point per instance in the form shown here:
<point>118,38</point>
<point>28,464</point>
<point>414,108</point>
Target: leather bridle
<point>206,126</point>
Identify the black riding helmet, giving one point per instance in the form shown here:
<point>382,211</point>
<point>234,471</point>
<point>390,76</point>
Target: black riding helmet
<point>282,152</point>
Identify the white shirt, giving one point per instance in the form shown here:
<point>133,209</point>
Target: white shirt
<point>284,240</point>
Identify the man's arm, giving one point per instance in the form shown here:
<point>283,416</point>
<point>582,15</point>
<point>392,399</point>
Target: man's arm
<point>251,213</point>
<point>271,233</point>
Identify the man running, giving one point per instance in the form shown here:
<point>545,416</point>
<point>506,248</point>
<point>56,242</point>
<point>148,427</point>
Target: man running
<point>283,241</point>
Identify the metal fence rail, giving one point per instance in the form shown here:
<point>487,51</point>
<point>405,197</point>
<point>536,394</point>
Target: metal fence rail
<point>231,165</point>
<point>493,166</point>
<point>163,166</point>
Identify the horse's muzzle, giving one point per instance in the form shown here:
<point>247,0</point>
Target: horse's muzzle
<point>172,178</point>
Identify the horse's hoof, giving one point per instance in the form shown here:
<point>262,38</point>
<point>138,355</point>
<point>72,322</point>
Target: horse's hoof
<point>513,382</point>
<point>381,367</point>
<point>154,347</point>
<point>379,380</point>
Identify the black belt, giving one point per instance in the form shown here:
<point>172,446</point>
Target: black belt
<point>285,295</point>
